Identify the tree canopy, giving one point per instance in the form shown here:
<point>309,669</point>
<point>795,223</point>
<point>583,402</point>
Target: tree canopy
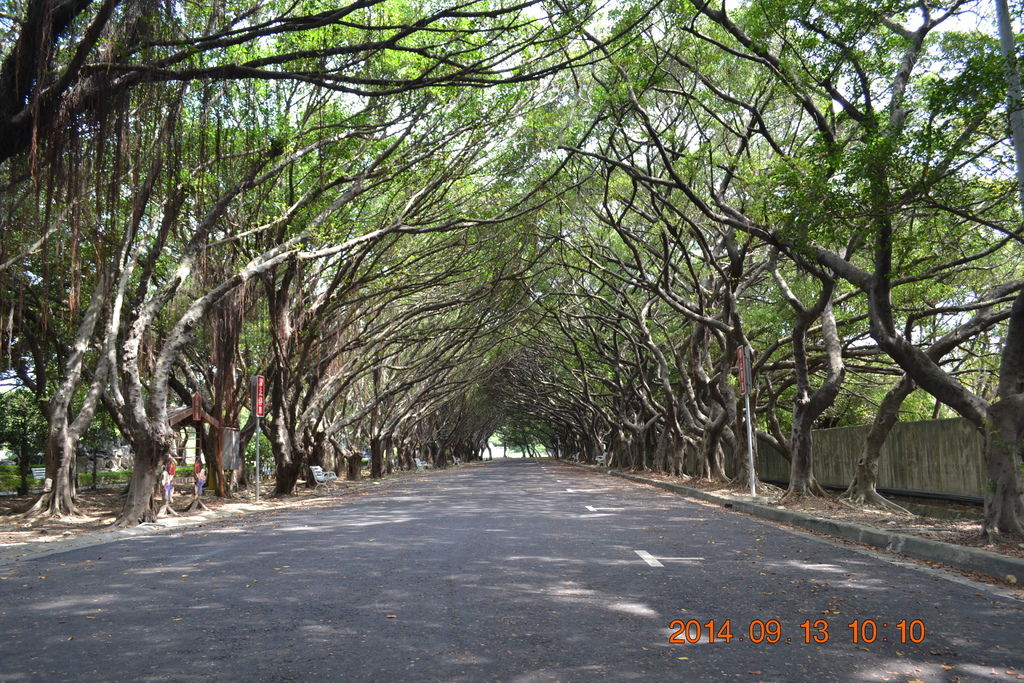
<point>425,222</point>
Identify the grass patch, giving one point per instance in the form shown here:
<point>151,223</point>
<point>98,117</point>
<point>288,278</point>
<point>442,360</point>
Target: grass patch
<point>115,477</point>
<point>10,478</point>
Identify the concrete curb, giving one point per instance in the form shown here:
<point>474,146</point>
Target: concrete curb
<point>1009,570</point>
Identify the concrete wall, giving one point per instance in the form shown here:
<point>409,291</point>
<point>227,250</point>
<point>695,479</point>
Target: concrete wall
<point>932,455</point>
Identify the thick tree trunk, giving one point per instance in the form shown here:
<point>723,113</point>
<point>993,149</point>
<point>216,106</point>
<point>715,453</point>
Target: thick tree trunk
<point>209,440</point>
<point>58,497</point>
<point>679,458</point>
<point>227,323</point>
<point>64,432</point>
<point>287,477</point>
<point>287,465</point>
<point>151,456</point>
<point>354,467</point>
<point>1004,503</point>
<point>316,451</point>
<point>403,460</point>
<point>376,459</point>
<point>661,450</point>
<point>801,467</point>
<point>710,465</point>
<point>1004,435</point>
<point>807,405</point>
<point>862,489</point>
<point>1003,510</point>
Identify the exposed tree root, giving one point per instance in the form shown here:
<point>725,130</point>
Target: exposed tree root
<point>871,498</point>
<point>123,522</point>
<point>76,516</point>
<point>811,490</point>
<point>50,505</point>
<point>742,480</point>
<point>992,534</point>
<point>167,510</point>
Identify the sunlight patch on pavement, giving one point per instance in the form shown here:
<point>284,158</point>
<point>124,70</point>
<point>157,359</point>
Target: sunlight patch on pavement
<point>817,567</point>
<point>571,592</point>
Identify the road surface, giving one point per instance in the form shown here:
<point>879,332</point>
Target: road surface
<point>507,571</point>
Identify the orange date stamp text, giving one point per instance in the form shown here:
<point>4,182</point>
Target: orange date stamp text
<point>810,631</point>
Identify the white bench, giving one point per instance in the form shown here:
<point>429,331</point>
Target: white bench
<point>39,473</point>
<point>601,459</point>
<point>422,464</point>
<point>321,476</point>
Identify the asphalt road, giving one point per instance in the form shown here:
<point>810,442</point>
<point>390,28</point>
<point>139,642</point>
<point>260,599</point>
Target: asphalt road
<point>512,571</point>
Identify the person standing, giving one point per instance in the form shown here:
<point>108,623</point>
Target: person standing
<point>168,482</point>
<point>200,482</point>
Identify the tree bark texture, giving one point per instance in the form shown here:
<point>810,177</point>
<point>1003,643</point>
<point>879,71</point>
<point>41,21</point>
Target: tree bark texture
<point>862,490</point>
<point>151,455</point>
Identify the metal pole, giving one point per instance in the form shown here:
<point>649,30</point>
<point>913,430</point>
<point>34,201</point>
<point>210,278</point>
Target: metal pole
<point>750,443</point>
<point>746,377</point>
<point>257,435</point>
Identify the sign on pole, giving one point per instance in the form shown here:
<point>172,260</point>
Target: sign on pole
<point>743,369</point>
<point>260,402</point>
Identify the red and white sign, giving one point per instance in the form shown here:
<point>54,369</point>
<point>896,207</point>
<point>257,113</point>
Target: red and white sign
<point>743,369</point>
<point>261,406</point>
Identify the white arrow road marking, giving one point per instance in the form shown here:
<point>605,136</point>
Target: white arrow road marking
<point>594,509</point>
<point>682,559</point>
<point>653,561</point>
<point>648,558</point>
